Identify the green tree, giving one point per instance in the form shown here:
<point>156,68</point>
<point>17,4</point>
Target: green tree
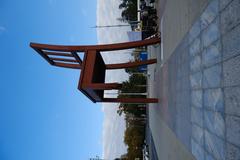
<point>131,86</point>
<point>134,138</point>
<point>129,10</point>
<point>135,131</point>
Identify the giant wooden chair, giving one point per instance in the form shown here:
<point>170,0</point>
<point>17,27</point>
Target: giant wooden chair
<point>93,69</point>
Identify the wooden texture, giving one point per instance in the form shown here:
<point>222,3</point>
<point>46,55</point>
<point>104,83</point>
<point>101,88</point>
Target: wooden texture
<point>41,53</point>
<point>105,86</point>
<point>67,65</point>
<point>75,55</point>
<point>130,100</point>
<point>58,54</point>
<point>103,47</point>
<point>92,79</point>
<point>130,64</point>
<point>93,69</point>
<point>63,59</point>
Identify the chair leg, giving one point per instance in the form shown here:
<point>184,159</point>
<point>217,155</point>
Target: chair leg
<point>130,64</point>
<point>130,100</point>
<point>104,86</point>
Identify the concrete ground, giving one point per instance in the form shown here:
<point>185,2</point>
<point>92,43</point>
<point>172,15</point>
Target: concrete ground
<point>167,145</point>
<point>198,87</point>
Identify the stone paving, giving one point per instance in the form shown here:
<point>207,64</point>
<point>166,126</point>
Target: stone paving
<point>199,86</point>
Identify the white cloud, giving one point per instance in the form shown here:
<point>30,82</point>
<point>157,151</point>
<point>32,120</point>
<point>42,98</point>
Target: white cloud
<point>113,131</point>
<point>114,125</point>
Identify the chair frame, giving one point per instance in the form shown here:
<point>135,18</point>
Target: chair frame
<point>92,78</point>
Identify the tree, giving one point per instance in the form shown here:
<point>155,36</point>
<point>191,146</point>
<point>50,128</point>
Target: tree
<point>134,113</point>
<point>134,138</point>
<point>129,10</point>
<point>131,86</point>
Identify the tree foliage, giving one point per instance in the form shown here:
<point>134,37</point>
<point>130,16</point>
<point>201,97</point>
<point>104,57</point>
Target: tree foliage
<point>135,131</point>
<point>129,10</point>
<point>132,86</point>
<point>134,113</point>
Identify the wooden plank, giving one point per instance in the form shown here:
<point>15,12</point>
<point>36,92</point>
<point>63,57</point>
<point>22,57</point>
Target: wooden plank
<point>75,55</point>
<point>130,100</point>
<point>127,45</point>
<point>87,73</point>
<point>63,59</point>
<point>130,64</point>
<point>67,65</point>
<point>44,56</point>
<point>104,47</point>
<point>80,82</point>
<point>58,54</point>
<point>103,86</point>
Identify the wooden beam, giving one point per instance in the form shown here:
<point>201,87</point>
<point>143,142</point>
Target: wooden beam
<point>130,100</point>
<point>63,59</point>
<point>103,47</point>
<point>58,54</point>
<point>75,55</point>
<point>103,86</point>
<point>127,45</point>
<point>44,56</point>
<point>130,64</point>
<point>67,65</point>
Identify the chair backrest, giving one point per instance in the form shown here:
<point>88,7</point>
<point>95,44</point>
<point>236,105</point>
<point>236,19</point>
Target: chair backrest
<point>57,57</point>
<point>56,54</point>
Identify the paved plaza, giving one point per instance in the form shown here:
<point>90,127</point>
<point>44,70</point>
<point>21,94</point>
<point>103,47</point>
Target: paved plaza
<point>198,86</point>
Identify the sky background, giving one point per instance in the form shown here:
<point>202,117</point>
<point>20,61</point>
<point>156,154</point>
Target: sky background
<point>42,114</point>
<point>114,125</point>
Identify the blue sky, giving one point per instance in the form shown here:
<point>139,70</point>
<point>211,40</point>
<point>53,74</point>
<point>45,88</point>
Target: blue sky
<point>42,114</point>
<point>113,125</point>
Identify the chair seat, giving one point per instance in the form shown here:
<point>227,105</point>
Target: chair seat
<point>93,72</point>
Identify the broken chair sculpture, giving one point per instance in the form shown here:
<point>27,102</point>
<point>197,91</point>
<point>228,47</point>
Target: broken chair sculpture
<point>93,68</point>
